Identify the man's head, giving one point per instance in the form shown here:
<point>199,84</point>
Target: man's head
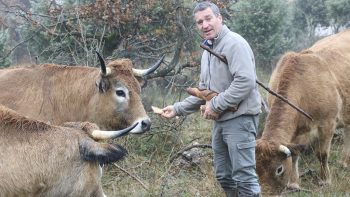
<point>208,19</point>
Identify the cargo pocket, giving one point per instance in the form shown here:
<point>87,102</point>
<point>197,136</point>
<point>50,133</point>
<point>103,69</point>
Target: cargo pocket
<point>246,154</point>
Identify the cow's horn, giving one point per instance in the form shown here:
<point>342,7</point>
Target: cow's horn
<point>104,71</point>
<point>144,72</point>
<point>285,150</point>
<point>102,135</point>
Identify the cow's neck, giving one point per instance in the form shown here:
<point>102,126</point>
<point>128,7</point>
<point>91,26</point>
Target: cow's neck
<point>74,87</point>
<point>281,124</point>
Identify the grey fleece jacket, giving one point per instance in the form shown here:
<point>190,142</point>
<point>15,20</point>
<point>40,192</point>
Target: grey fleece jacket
<point>235,82</point>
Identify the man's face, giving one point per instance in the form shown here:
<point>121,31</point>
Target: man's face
<point>208,23</point>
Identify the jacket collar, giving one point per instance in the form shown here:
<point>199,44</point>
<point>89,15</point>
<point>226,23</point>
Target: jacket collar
<point>224,30</point>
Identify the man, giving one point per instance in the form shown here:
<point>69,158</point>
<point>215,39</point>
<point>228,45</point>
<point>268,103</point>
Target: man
<point>233,133</point>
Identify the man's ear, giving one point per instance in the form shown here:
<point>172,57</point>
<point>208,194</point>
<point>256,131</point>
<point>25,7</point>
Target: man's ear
<point>220,18</point>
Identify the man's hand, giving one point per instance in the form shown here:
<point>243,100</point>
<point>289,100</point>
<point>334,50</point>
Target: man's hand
<point>209,113</point>
<point>168,112</point>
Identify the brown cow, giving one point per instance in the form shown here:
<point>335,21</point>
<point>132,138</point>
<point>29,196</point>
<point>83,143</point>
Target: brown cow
<point>38,159</point>
<point>318,81</point>
<point>57,93</point>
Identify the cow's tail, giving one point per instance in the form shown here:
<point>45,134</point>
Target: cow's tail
<point>104,153</point>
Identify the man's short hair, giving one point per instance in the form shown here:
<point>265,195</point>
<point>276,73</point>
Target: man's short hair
<point>204,5</point>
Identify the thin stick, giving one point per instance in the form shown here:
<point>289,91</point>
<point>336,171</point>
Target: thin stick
<point>134,177</point>
<point>223,59</point>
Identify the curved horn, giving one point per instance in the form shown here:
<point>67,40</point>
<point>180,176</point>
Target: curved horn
<point>284,150</point>
<point>102,64</point>
<point>102,135</point>
<point>144,72</point>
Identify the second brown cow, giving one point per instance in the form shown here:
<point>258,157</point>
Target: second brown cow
<point>317,80</point>
<point>38,159</point>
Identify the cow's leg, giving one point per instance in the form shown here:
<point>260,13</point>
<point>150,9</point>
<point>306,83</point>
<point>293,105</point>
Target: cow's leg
<point>89,181</point>
<point>294,178</point>
<point>346,148</point>
<point>323,146</point>
<point>99,192</point>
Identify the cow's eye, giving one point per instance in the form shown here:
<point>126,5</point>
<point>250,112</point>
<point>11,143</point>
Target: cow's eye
<point>120,93</point>
<point>279,170</point>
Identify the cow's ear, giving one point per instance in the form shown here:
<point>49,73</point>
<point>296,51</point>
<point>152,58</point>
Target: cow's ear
<point>103,84</point>
<point>296,149</point>
<point>142,81</point>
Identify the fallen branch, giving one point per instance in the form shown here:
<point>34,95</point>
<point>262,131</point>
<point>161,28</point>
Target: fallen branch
<point>134,177</point>
<point>188,148</point>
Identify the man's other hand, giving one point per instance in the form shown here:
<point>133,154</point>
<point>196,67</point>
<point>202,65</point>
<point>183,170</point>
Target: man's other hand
<point>209,113</point>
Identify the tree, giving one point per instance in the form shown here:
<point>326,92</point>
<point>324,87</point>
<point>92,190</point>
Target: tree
<point>70,31</point>
<point>262,23</point>
<point>338,12</point>
<point>4,61</point>
<point>308,15</point>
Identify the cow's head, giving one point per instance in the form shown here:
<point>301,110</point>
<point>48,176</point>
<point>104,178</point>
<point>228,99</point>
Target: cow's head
<point>119,87</point>
<point>274,165</point>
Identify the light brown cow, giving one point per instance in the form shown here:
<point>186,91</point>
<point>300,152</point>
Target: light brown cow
<point>38,159</point>
<point>57,93</point>
<point>318,81</point>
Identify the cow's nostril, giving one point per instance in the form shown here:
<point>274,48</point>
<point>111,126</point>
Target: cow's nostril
<point>146,125</point>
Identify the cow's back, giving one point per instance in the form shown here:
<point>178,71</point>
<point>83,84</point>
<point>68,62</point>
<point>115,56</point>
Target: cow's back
<point>316,80</point>
<point>22,89</point>
<point>48,92</point>
<point>15,89</point>
<point>338,43</point>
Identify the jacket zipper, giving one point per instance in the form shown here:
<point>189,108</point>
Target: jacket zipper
<point>209,71</point>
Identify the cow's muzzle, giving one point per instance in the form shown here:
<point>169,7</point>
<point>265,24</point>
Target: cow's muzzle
<point>143,126</point>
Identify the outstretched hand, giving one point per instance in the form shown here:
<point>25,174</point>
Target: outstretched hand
<point>169,111</point>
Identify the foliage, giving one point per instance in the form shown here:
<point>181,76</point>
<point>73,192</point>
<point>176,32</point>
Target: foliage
<point>4,61</point>
<point>261,22</point>
<point>308,15</point>
<point>338,12</point>
<point>70,31</point>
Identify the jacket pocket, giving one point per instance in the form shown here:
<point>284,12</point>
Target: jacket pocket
<point>246,154</point>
